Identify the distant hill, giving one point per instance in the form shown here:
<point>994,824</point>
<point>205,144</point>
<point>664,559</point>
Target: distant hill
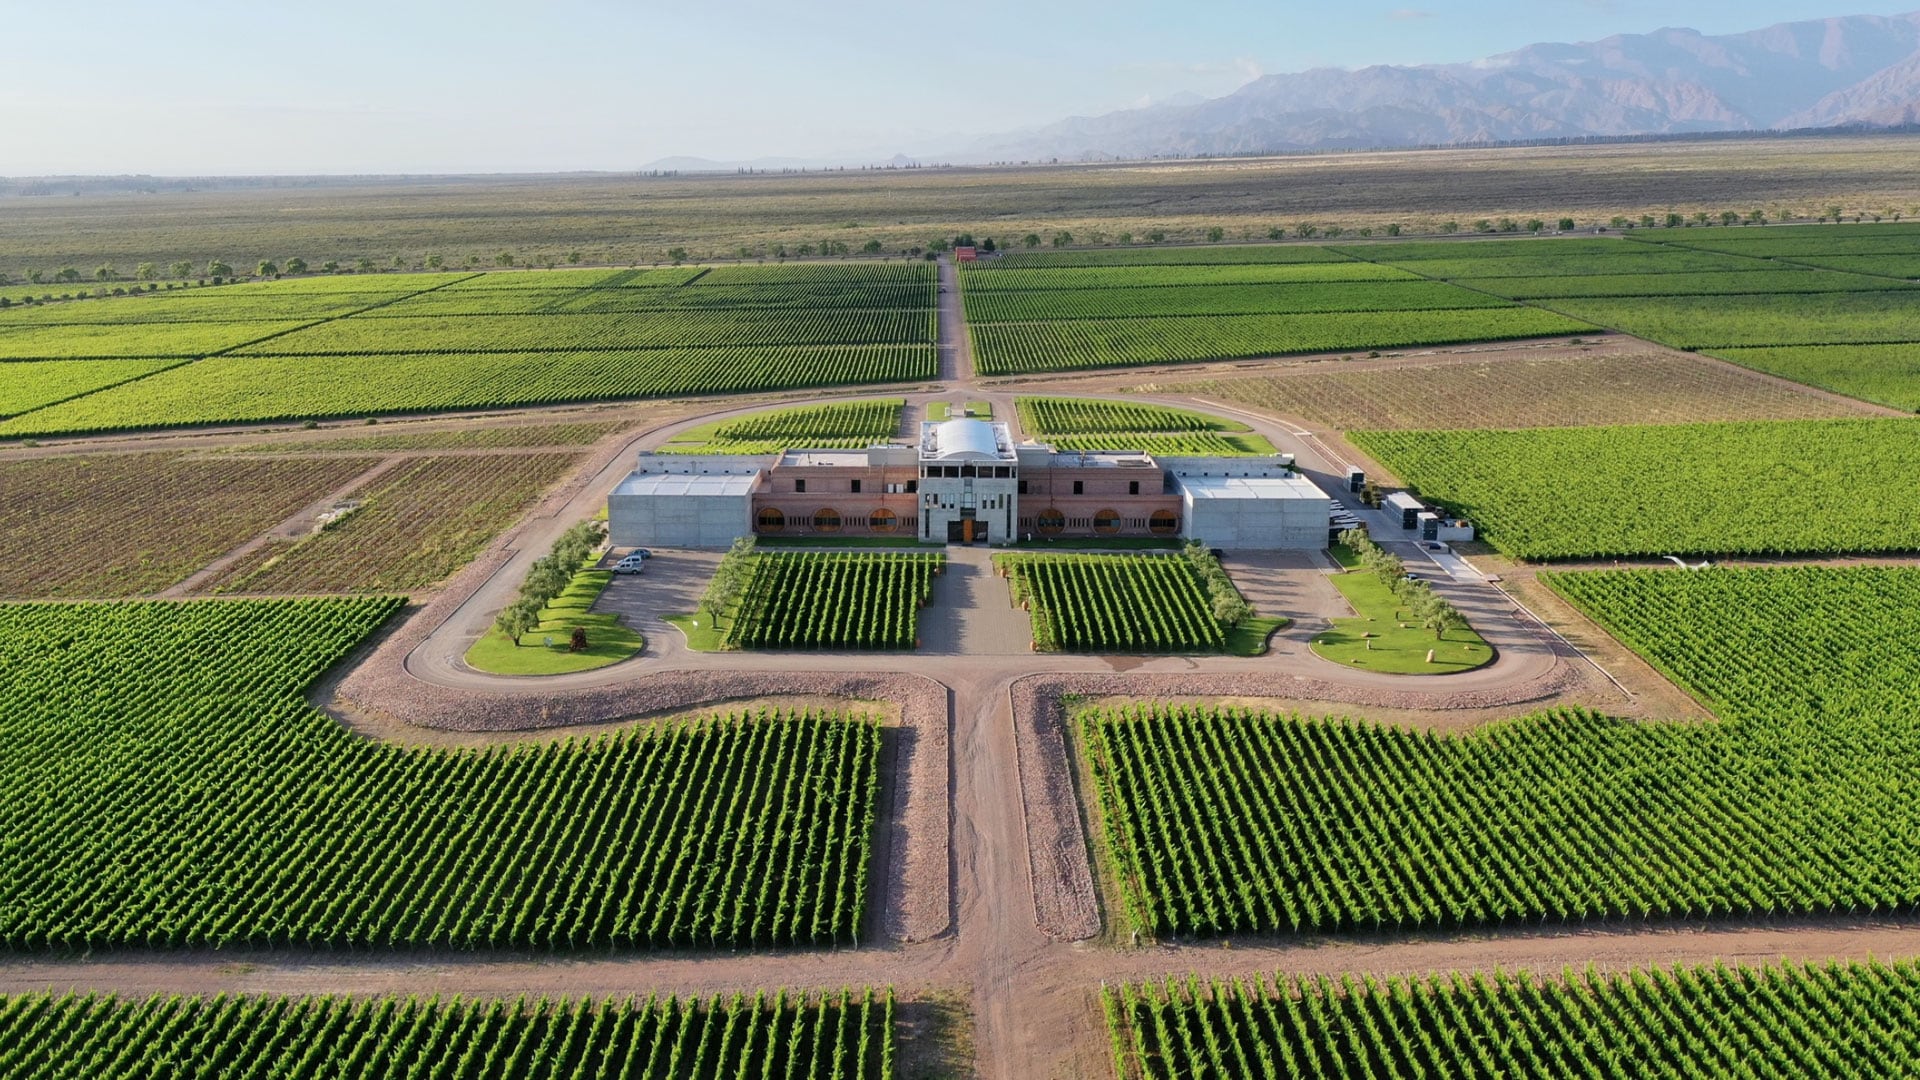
<point>1857,70</point>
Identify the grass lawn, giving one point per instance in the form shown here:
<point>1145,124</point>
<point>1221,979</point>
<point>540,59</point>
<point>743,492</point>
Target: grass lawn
<point>1396,649</point>
<point>607,640</point>
<point>702,634</point>
<point>944,410</point>
<point>1251,636</point>
<point>980,410</point>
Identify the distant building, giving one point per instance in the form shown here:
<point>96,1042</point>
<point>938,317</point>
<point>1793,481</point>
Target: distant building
<point>965,254</point>
<point>966,481</point>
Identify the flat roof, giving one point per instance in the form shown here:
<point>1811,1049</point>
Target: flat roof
<point>1100,459</point>
<point>1401,500</point>
<point>690,485</point>
<point>858,459</point>
<point>1250,487</point>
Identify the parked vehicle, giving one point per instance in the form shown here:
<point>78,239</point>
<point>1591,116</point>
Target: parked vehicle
<point>632,564</point>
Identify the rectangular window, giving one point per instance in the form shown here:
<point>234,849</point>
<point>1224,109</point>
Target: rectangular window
<point>1079,487</point>
<point>1133,486</point>
<point>856,488</point>
<point>1023,487</point>
<point>800,486</point>
<point>913,486</point>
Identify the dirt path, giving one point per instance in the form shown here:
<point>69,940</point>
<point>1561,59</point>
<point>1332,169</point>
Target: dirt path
<point>956,349</point>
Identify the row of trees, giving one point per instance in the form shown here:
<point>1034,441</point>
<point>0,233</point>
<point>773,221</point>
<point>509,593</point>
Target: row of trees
<point>729,581</point>
<point>1229,608</point>
<point>550,576</point>
<point>1428,608</point>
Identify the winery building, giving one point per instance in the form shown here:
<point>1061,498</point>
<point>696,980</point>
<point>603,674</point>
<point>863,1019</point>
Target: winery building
<point>966,481</point>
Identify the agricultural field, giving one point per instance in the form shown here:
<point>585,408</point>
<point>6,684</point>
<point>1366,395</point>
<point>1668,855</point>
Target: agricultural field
<point>1688,1023</point>
<point>155,729</point>
<point>1114,603</point>
<point>1521,391</point>
<point>834,600</point>
<point>1886,374</point>
<point>1781,281</point>
<point>1759,488</point>
<point>116,525</point>
<point>843,1036</point>
<point>1085,424</point>
<point>416,525</point>
<point>28,385</point>
<point>232,389</point>
<point>1229,820</point>
<point>844,425</point>
<point>1038,347</point>
<point>1043,274</point>
<point>1717,322</point>
<point>1140,301</point>
<point>436,342</point>
<point>574,433</point>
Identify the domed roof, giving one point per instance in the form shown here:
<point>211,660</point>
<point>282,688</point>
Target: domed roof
<point>954,440</point>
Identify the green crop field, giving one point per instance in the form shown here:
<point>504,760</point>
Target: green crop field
<point>1834,1021</point>
<point>310,348</point>
<point>1547,260</point>
<point>234,389</point>
<point>118,525</point>
<point>1906,266</point>
<point>1229,820</point>
<point>1114,603</point>
<point>575,433</point>
<point>1043,304</point>
<point>1016,348</point>
<point>841,425</point>
<point>834,600</point>
<point>169,786</point>
<point>1052,277</point>
<point>1223,255</point>
<point>1708,322</point>
<point>1084,424</point>
<point>1807,486</point>
<point>1886,374</point>
<point>1756,281</point>
<point>843,1036</point>
<point>27,385</point>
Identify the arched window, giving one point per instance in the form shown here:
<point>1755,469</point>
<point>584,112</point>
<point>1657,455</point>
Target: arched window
<point>1163,523</point>
<point>769,520</point>
<point>1050,521</point>
<point>826,520</point>
<point>883,521</point>
<point>1106,522</point>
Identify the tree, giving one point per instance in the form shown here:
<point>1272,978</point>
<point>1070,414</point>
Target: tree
<point>219,269</point>
<point>679,254</point>
<point>1215,234</point>
<point>399,262</point>
<point>1674,220</point>
<point>435,262</point>
<point>1566,224</point>
<point>181,270</point>
<point>1441,617</point>
<point>871,247</point>
<point>1393,229</point>
<point>1450,227</point>
<point>1701,217</point>
<point>330,266</point>
<point>1062,238</point>
<point>1756,217</point>
<point>104,272</point>
<point>296,266</point>
<point>1535,225</point>
<point>505,258</point>
<point>38,276</point>
<point>1156,236</point>
<point>518,619</point>
<point>1276,233</point>
<point>1729,217</point>
<point>1032,240</point>
<point>1834,213</point>
<point>266,269</point>
<point>573,257</point>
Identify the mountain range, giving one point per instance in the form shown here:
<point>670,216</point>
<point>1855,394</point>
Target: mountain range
<point>1856,70</point>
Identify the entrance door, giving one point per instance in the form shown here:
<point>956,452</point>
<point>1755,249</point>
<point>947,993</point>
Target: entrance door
<point>956,533</point>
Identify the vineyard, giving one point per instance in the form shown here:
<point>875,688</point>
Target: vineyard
<point>114,525</point>
<point>846,425</point>
<point>1222,255</point>
<point>1085,424</point>
<point>32,384</point>
<point>1714,322</point>
<point>169,787</point>
<point>1886,374</point>
<point>1229,820</point>
<point>575,433</point>
<point>992,281</point>
<point>1523,392</point>
<point>834,600</point>
<point>1832,1020</point>
<point>1114,603</point>
<point>1041,305</point>
<point>416,525</point>
<point>1738,488</point>
<point>232,389</point>
<point>1017,348</point>
<point>370,345</point>
<point>840,1036</point>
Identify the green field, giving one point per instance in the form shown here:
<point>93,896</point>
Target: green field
<point>1087,424</point>
<point>306,348</point>
<point>1713,322</point>
<point>140,733</point>
<point>1686,1023</point>
<point>1383,636</point>
<point>1760,488</point>
<point>1115,603</point>
<point>1228,820</point>
<point>29,385</point>
<point>546,650</point>
<point>834,600</point>
<point>762,1036</point>
<point>1884,374</point>
<point>846,425</point>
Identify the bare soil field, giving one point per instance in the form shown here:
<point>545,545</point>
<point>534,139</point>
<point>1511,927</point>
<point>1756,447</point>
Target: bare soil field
<point>547,219</point>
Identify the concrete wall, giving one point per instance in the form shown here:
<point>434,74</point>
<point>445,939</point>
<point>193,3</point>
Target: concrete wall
<point>677,521</point>
<point>1256,524</point>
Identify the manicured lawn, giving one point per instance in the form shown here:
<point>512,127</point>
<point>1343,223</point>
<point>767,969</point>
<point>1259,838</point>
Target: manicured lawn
<point>944,410</point>
<point>1397,649</point>
<point>608,641</point>
<point>702,634</point>
<point>1251,636</point>
<point>981,410</point>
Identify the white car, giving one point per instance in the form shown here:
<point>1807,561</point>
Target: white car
<point>632,564</point>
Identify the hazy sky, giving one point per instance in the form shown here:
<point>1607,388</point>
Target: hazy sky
<point>341,86</point>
